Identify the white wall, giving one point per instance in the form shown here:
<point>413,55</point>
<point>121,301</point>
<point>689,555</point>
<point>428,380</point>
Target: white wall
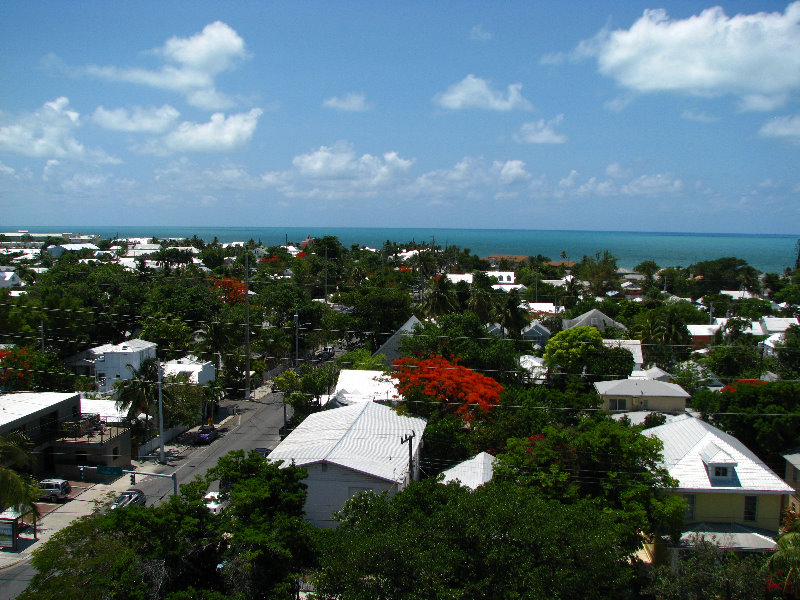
<point>330,486</point>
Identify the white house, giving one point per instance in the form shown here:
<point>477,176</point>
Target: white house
<point>109,363</point>
<point>352,449</point>
<point>199,371</point>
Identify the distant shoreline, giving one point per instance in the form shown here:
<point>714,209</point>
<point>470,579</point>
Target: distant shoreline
<point>766,252</point>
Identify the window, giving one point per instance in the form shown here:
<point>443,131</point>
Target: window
<point>616,404</point>
<point>115,453</point>
<point>324,467</point>
<point>720,471</point>
<point>750,508</point>
<point>690,502</point>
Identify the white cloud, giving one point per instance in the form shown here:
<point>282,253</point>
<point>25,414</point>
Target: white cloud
<point>650,185</point>
<point>149,120</point>
<point>785,128</point>
<point>220,134</point>
<point>6,170</point>
<point>48,133</point>
<point>617,171</point>
<point>193,63</point>
<point>619,181</point>
<point>351,102</point>
<point>569,180</point>
<point>752,56</point>
<point>335,172</point>
<point>541,132</point>
<point>472,179</point>
<point>479,34</point>
<point>474,92</point>
<point>510,171</point>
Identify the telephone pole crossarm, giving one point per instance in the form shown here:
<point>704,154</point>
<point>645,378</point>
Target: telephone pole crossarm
<point>403,440</point>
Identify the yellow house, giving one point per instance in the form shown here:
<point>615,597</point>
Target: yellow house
<point>792,477</point>
<point>732,497</point>
<point>641,394</point>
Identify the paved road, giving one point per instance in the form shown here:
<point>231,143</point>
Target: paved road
<point>254,425</point>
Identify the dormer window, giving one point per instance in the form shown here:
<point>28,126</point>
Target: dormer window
<point>719,464</point>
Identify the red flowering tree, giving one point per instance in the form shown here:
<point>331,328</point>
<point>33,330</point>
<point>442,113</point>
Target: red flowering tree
<point>27,369</point>
<point>230,291</point>
<point>435,387</point>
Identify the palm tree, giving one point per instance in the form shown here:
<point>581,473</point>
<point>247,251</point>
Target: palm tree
<point>17,491</point>
<point>214,338</point>
<point>786,558</point>
<point>482,299</point>
<point>140,392</point>
<point>510,315</point>
<point>438,298</point>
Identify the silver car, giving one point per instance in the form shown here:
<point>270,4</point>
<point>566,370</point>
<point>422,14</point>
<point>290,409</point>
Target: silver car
<point>130,497</point>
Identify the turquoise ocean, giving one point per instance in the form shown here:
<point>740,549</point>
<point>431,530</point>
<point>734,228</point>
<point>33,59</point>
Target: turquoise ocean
<point>768,253</point>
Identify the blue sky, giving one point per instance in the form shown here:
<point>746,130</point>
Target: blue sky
<point>678,116</point>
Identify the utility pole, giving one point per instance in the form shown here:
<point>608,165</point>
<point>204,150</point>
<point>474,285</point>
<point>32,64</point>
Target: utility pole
<point>160,415</point>
<point>247,325</point>
<point>41,332</point>
<point>326,274</point>
<point>403,440</point>
<point>296,338</point>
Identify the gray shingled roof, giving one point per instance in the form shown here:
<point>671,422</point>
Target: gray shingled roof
<point>391,347</point>
<point>593,318</point>
<point>640,387</point>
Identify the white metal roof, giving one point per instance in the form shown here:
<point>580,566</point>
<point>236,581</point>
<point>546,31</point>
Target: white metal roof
<point>686,438</point>
<point>364,386</point>
<point>773,325</point>
<point>632,346</point>
<point>640,387</point>
<point>18,405</point>
<point>362,437</point>
<point>472,472</point>
<point>702,330</point>
<point>134,345</point>
<point>107,409</point>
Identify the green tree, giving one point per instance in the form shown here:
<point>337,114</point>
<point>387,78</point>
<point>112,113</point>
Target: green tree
<point>569,351</point>
<point>438,297</point>
<point>763,416</point>
<point>707,571</point>
<point>510,315</point>
<point>17,489</point>
<point>601,459</point>
<point>464,337</point>
<point>444,541</point>
<point>139,393</point>
<point>256,548</point>
<point>172,336</point>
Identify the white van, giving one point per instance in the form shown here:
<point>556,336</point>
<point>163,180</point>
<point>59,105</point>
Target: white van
<point>54,489</point>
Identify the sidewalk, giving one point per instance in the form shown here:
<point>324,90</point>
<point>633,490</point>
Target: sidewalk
<point>83,500</point>
<point>86,497</point>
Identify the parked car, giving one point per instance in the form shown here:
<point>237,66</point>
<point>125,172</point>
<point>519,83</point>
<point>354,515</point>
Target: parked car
<point>213,503</point>
<point>54,489</point>
<point>130,497</point>
<point>206,434</point>
<point>326,353</point>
